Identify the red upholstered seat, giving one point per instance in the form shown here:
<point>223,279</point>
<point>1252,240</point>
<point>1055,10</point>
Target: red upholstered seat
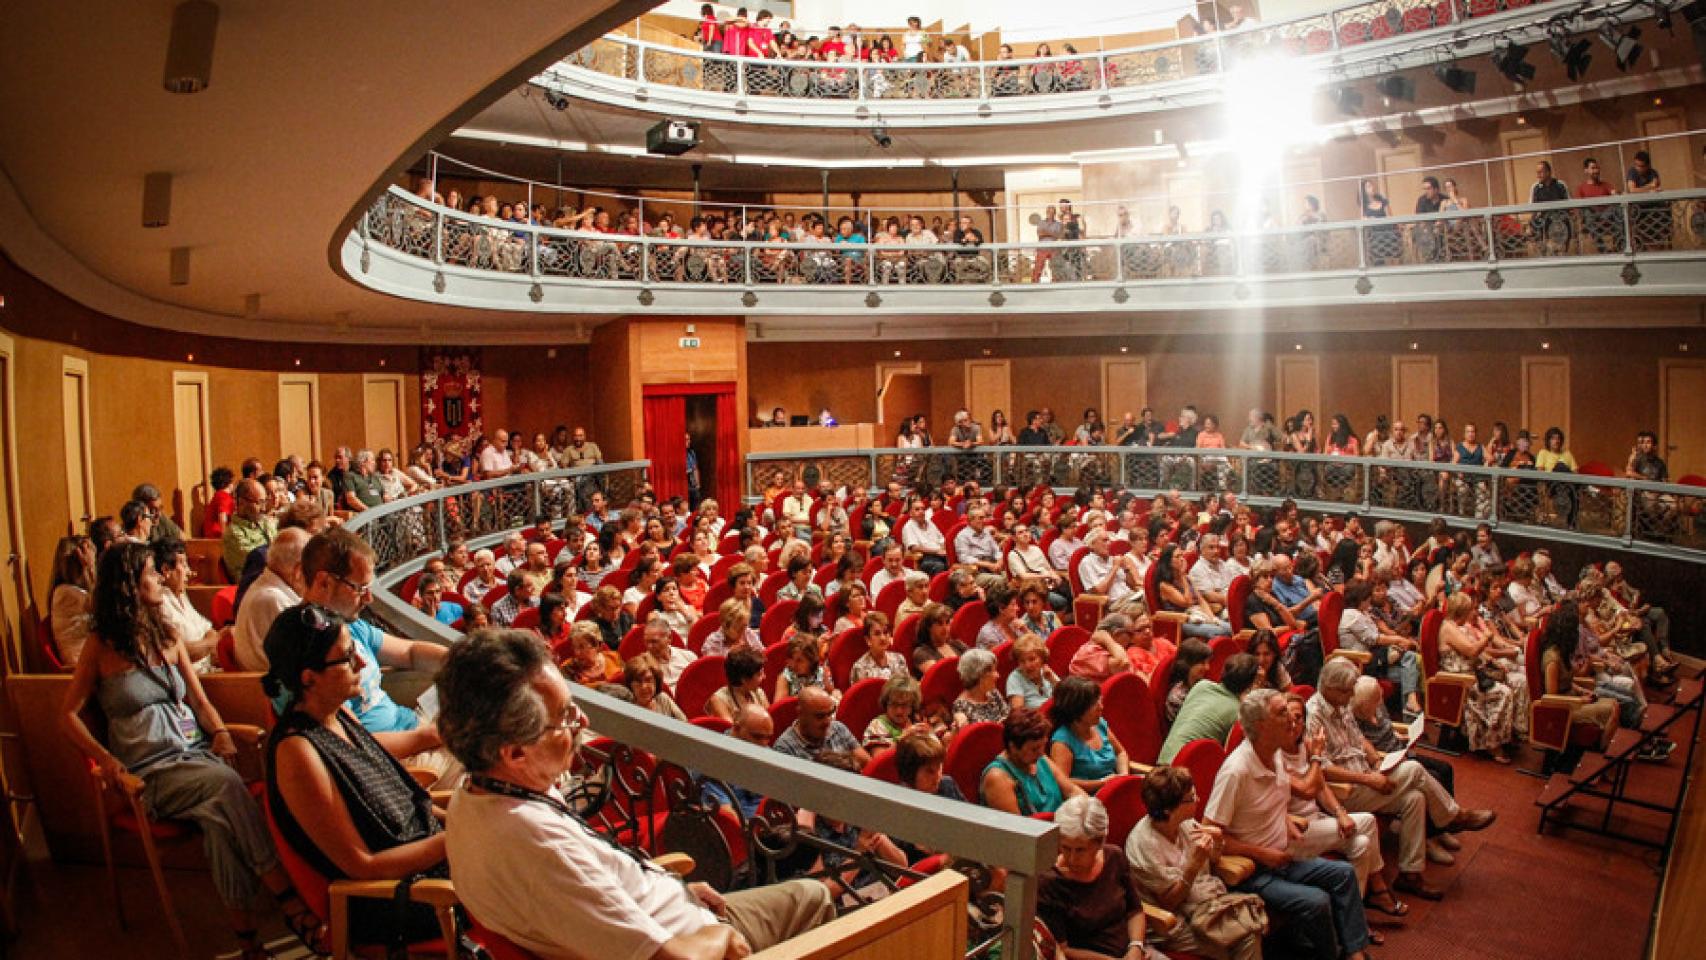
<point>969,752</point>
<point>1203,758</point>
<point>1237,594</point>
<point>1221,650</point>
<point>845,649</point>
<point>891,597</point>
<point>1123,798</point>
<point>941,684</point>
<point>772,583</point>
<point>701,631</point>
<point>784,712</point>
<point>777,616</point>
<point>967,621</point>
<point>859,704</point>
<point>529,618</point>
<point>939,587</point>
<point>1063,644</point>
<point>882,766</point>
<point>1126,703</point>
<point>906,636</point>
<point>775,661</point>
<point>698,681</point>
<point>224,607</point>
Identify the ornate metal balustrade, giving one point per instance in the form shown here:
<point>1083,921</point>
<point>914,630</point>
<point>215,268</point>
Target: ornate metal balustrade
<point>1647,245</point>
<point>647,73</point>
<point>646,764</point>
<point>1660,519</point>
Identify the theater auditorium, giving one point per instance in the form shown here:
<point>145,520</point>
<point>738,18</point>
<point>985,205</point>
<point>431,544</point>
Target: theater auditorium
<point>638,480</point>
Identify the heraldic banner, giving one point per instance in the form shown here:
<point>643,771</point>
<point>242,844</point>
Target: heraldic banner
<point>451,416</point>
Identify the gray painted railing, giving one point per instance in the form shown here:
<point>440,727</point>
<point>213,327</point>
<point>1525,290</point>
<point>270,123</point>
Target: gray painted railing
<point>1660,519</point>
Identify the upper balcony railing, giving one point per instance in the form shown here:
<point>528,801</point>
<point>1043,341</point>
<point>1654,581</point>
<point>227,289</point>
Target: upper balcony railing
<point>646,75</point>
<point>1660,519</point>
<point>1647,244</point>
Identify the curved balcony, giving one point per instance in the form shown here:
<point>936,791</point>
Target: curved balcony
<point>1657,519</point>
<point>1616,246</point>
<point>1359,39</point>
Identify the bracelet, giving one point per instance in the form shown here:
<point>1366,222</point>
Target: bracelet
<point>219,730</point>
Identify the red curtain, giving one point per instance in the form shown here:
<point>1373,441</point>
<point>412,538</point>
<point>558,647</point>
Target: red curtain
<point>730,474</point>
<point>666,443</point>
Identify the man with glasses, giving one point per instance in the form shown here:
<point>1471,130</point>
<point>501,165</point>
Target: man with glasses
<point>249,528</point>
<point>816,730</point>
<point>338,574</point>
<point>532,871</point>
<point>164,527</point>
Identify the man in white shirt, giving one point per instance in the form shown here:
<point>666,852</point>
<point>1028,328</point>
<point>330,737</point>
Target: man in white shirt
<point>486,576</point>
<point>976,545</point>
<point>1116,578</point>
<point>495,460</point>
<point>1211,574</point>
<point>797,510</point>
<point>1249,803</point>
<point>515,553</point>
<point>274,591</point>
<point>537,875</point>
<point>919,534</point>
<point>893,569</point>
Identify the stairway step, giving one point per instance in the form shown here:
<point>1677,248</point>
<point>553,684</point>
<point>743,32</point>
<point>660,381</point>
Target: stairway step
<point>1623,743</point>
<point>1688,693</point>
<point>1557,789</point>
<point>1657,717</point>
<point>1592,766</point>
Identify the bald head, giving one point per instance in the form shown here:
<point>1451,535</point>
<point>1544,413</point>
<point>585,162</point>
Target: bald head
<point>753,724</point>
<point>285,554</point>
<point>251,498</point>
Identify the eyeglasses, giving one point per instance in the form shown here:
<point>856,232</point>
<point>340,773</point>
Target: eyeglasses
<point>359,589</point>
<point>572,721</point>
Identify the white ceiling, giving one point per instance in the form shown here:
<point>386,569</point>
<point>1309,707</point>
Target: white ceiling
<point>313,106</point>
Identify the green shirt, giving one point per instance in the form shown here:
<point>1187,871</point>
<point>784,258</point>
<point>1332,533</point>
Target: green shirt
<point>1208,713</point>
<point>365,486</point>
<point>242,536</point>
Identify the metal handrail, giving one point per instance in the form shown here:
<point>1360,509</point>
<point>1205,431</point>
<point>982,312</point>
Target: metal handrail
<point>1329,34</point>
<point>406,532</point>
<point>1621,226</point>
<point>1615,512</point>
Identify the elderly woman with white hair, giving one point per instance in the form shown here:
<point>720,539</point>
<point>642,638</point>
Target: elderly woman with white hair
<point>982,700</point>
<point>1369,707</point>
<point>1089,898</point>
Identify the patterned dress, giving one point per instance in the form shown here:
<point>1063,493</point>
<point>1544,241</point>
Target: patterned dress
<point>1492,717</point>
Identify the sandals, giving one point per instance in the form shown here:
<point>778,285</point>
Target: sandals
<point>314,933</point>
<point>1393,907</point>
<point>1376,938</point>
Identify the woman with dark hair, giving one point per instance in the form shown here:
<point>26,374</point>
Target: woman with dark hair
<point>671,606</point>
<point>1341,439</point>
<point>934,641</point>
<point>167,743</point>
<point>1001,430</point>
<point>743,668</point>
<point>1082,746</point>
<point>1562,673</point>
<point>1189,666</point>
<point>1391,655</point>
<point>1179,595</point>
<point>808,620</point>
<point>1342,565</point>
<point>1270,673</point>
<point>554,619</point>
<point>643,677</point>
<point>68,596</point>
<point>1022,780</point>
<point>337,793</point>
<point>1004,625</point>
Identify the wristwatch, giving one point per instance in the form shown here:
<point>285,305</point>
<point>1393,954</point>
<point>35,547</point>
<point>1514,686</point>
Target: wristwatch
<point>1318,759</point>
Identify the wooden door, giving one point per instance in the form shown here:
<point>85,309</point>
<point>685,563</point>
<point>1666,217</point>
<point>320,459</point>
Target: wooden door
<point>1415,387</point>
<point>884,372</point>
<point>1297,385</point>
<point>907,394</point>
<point>1400,178</point>
<point>383,395</point>
<point>13,584</point>
<point>79,452</point>
<point>1125,388</point>
<point>1546,394</point>
<point>194,444</point>
<point>1682,430</point>
<point>988,388</point>
<point>1523,150</point>
<point>299,415</point>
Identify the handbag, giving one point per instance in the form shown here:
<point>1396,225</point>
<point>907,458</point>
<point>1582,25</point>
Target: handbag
<point>1229,918</point>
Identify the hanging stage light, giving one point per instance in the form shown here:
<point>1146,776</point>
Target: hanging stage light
<point>1455,78</point>
<point>1625,46</point>
<point>1572,53</point>
<point>1511,60</point>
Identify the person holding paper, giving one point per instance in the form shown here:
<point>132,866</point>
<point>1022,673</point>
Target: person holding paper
<point>1406,792</point>
<point>1378,728</point>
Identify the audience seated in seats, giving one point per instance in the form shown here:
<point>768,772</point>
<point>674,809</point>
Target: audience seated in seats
<point>485,578</point>
<point>1036,602</point>
<point>1318,900</point>
<point>1211,708</point>
<point>934,641</point>
<point>963,588</point>
<point>1118,578</point>
<point>337,573</point>
<point>734,631</point>
<point>805,667</point>
<point>743,667</point>
<point>177,613</point>
<point>613,622</point>
<point>429,599</point>
<point>1370,710</point>
<point>1104,654</point>
<point>530,870</point>
<point>1654,621</point>
<point>919,757</point>
<point>1391,655</point>
<point>842,872</point>
<point>221,503</point>
<point>917,596</point>
<point>70,613</point>
<point>1406,792</point>
<point>1144,649</point>
<point>879,660</point>
<point>856,603</point>
<point>643,677</point>
<point>1004,624</point>
<point>1026,561</point>
<point>980,701</point>
<point>336,793</point>
<point>754,725</point>
<point>670,658</point>
<point>301,515</point>
<point>165,740</point>
<point>897,714</point>
<point>1495,715</point>
<point>1189,669</point>
<point>1032,681</point>
<point>1270,673</point>
<point>1089,897</point>
<point>249,527</point>
<point>976,545</point>
<point>920,535</point>
<point>892,570</point>
<point>1022,779</point>
<point>1082,747</point>
<point>1172,858</point>
<point>817,731</point>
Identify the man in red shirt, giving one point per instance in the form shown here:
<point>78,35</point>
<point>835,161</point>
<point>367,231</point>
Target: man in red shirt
<point>834,45</point>
<point>1603,223</point>
<point>760,39</point>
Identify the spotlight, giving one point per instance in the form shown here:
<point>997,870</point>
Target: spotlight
<point>880,136</point>
<point>189,51</point>
<point>556,100</point>
<point>1572,53</point>
<point>1625,46</point>
<point>1346,99</point>
<point>1455,78</point>
<point>1511,60</point>
<point>1396,87</point>
<point>156,200</point>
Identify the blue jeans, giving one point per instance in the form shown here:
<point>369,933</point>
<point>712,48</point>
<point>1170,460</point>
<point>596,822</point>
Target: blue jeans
<point>1320,902</point>
<point>1207,631</point>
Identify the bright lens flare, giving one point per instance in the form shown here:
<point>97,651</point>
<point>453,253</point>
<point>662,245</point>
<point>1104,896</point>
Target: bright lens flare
<point>1270,107</point>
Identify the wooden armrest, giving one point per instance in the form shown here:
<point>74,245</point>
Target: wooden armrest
<point>1234,870</point>
<point>1159,919</point>
<point>246,733</point>
<point>1461,679</point>
<point>438,894</point>
<point>441,797</point>
<point>1168,616</point>
<point>1562,700</point>
<point>1343,790</point>
<point>679,864</point>
<point>1141,769</point>
<point>422,775</point>
<point>1358,657</point>
<point>1402,730</point>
